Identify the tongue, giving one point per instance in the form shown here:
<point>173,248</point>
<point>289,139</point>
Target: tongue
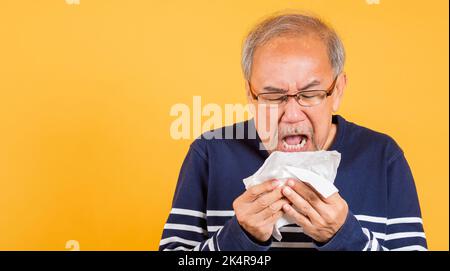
<point>293,140</point>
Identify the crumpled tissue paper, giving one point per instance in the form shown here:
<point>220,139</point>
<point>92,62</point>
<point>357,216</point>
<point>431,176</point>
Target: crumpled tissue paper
<point>316,168</point>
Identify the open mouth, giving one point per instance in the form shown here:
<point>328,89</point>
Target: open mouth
<point>294,142</point>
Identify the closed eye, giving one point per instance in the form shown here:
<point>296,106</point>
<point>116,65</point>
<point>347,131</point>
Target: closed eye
<point>272,96</point>
<point>310,94</point>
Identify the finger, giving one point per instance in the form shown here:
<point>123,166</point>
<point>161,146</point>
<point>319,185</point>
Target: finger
<point>299,219</point>
<point>333,198</point>
<point>272,209</point>
<point>255,191</point>
<point>265,200</point>
<point>274,217</point>
<point>300,204</point>
<point>309,194</point>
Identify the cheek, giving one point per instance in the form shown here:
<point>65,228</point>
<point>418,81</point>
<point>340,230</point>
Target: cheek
<point>270,116</point>
<point>266,120</point>
<point>332,104</point>
<point>320,120</point>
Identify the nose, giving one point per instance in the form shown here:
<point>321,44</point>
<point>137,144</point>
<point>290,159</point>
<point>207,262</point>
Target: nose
<point>293,112</point>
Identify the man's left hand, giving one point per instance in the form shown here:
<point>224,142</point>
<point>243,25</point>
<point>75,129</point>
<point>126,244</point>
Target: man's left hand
<point>319,217</point>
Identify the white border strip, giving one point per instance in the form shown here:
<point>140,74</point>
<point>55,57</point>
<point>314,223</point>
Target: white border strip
<point>291,229</point>
<point>293,244</point>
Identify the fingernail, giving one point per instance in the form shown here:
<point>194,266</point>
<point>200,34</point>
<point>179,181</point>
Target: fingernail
<point>286,207</point>
<point>287,191</point>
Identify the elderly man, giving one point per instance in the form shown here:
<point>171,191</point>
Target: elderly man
<point>294,63</point>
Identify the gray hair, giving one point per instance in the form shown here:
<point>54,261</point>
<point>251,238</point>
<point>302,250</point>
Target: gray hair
<point>292,24</point>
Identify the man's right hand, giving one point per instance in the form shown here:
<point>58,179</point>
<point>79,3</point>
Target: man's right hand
<point>258,208</point>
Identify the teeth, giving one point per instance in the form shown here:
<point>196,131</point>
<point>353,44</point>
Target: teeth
<point>296,146</point>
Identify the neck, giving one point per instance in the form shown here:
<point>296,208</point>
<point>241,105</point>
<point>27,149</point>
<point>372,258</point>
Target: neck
<point>331,137</point>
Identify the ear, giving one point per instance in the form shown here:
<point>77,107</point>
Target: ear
<point>250,99</point>
<point>341,84</point>
<point>251,102</point>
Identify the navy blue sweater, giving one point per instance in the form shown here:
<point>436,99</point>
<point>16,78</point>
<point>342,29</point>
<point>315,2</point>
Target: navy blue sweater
<point>373,177</point>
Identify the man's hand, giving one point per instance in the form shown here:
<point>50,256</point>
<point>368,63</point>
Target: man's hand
<point>319,217</point>
<point>258,208</point>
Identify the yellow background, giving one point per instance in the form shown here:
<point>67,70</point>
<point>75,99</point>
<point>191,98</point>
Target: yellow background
<point>86,90</point>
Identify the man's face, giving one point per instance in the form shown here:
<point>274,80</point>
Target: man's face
<point>293,64</point>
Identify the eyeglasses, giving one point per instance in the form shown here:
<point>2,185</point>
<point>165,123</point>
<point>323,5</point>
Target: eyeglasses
<point>305,98</point>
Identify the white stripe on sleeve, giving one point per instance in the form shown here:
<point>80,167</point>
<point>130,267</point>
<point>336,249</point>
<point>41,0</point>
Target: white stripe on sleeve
<point>384,220</point>
<point>211,244</point>
<point>185,227</point>
<point>174,239</point>
<point>219,213</point>
<point>409,248</point>
<point>367,233</point>
<point>179,211</point>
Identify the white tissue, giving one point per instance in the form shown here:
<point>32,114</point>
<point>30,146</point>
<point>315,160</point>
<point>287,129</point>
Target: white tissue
<point>318,169</point>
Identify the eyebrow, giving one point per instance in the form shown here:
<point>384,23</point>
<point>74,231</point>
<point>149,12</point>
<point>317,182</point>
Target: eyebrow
<point>312,84</point>
<point>275,89</point>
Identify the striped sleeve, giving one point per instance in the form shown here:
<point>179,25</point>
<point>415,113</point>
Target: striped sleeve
<point>404,226</point>
<point>399,234</point>
<point>186,230</point>
<point>402,230</point>
<point>186,227</point>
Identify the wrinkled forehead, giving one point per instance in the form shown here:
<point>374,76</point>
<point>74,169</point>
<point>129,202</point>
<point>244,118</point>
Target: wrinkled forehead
<point>291,58</point>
